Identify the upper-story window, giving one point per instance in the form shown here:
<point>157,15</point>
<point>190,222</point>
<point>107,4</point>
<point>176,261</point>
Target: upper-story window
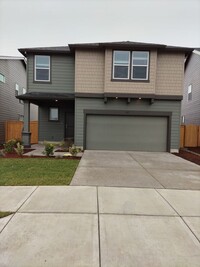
<point>140,64</point>
<point>130,65</point>
<point>42,68</point>
<point>190,92</point>
<point>2,78</point>
<point>121,65</point>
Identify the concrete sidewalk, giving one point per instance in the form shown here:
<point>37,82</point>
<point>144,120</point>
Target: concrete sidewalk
<point>99,227</point>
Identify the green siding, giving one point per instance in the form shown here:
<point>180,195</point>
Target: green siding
<point>62,75</point>
<point>53,130</point>
<point>136,105</point>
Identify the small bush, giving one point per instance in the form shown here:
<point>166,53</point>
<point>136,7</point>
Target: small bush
<point>65,144</point>
<point>48,149</point>
<point>74,150</point>
<point>9,146</point>
<point>19,149</point>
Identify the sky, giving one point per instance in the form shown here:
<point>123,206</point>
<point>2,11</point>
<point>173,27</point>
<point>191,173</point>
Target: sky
<point>36,23</point>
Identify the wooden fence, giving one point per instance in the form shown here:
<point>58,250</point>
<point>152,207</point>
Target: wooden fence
<point>189,136</point>
<point>13,130</point>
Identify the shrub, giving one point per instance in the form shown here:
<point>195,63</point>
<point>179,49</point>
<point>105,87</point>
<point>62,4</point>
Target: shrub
<point>65,144</point>
<point>48,149</point>
<point>19,149</point>
<point>9,146</point>
<point>74,150</point>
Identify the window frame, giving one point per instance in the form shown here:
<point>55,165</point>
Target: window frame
<point>3,78</point>
<point>120,64</point>
<point>131,67</point>
<point>50,114</point>
<point>35,68</point>
<point>189,94</point>
<point>147,67</point>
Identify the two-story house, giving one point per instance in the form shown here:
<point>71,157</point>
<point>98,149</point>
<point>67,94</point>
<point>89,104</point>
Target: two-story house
<point>12,83</point>
<point>191,95</point>
<point>108,96</point>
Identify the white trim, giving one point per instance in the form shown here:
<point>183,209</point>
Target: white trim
<point>196,52</point>
<point>10,57</point>
<point>174,150</point>
<point>45,68</point>
<point>189,92</point>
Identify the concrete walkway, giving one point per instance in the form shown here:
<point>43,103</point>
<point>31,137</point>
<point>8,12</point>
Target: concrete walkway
<point>136,169</point>
<point>87,226</point>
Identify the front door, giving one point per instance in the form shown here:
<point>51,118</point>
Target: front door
<point>69,125</point>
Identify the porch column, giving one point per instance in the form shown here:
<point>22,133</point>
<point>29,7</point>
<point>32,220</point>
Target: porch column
<point>26,135</point>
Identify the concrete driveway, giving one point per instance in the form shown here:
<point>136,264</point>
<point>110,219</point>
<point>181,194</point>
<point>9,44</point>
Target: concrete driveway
<point>136,169</point>
<point>104,226</point>
<point>99,227</point>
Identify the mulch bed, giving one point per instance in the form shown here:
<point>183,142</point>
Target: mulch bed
<point>194,149</point>
<point>189,156</point>
<point>15,156</point>
<point>62,150</point>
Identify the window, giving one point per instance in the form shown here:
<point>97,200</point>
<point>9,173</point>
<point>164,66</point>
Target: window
<point>189,92</point>
<point>2,78</point>
<point>140,62</point>
<point>121,64</point>
<point>42,68</point>
<point>16,89</point>
<point>23,91</point>
<point>53,114</point>
<point>134,69</point>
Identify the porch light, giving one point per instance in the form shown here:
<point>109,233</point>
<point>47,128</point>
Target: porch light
<point>116,97</point>
<point>139,98</point>
<point>56,100</point>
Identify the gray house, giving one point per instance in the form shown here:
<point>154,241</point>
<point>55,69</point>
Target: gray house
<point>12,83</point>
<point>191,97</point>
<point>119,96</point>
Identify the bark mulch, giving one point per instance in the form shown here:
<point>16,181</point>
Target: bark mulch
<point>189,155</point>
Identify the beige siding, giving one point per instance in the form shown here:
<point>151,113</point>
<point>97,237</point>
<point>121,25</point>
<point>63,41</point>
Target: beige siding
<point>93,74</point>
<point>126,86</point>
<point>89,71</point>
<point>170,71</point>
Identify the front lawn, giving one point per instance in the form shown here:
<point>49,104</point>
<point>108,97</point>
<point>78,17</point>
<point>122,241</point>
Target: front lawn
<point>36,171</point>
<point>5,214</point>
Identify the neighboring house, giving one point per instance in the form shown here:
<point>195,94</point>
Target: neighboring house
<point>116,96</point>
<point>191,97</point>
<point>12,83</point>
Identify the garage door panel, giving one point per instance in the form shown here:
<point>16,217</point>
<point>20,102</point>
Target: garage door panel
<point>126,133</point>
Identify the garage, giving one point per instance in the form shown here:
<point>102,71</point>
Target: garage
<point>127,132</point>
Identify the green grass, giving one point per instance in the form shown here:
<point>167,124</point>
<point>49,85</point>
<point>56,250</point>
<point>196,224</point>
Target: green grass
<point>37,171</point>
<point>5,214</point>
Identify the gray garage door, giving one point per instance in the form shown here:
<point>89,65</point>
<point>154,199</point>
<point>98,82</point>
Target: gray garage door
<point>106,132</point>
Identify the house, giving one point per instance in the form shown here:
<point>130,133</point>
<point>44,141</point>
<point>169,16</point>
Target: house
<point>12,83</point>
<point>107,96</point>
<point>191,96</point>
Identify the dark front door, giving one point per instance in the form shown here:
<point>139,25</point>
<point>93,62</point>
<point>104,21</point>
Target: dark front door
<point>69,125</point>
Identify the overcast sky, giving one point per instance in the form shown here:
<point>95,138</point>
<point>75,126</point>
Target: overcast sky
<point>32,23</point>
